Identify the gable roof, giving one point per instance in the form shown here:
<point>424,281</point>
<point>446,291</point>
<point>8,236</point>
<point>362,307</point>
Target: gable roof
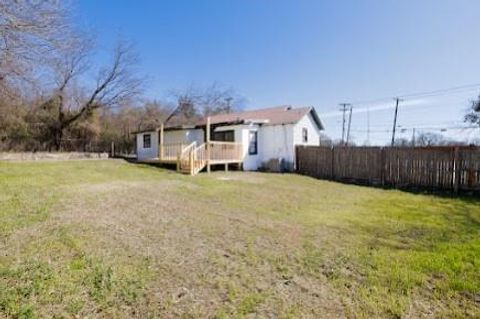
<point>284,114</point>
<point>278,115</point>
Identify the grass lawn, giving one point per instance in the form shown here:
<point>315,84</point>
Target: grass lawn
<point>117,240</point>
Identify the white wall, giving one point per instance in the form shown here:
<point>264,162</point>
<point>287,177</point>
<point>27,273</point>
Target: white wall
<point>251,162</point>
<point>170,137</point>
<point>276,142</point>
<point>313,131</point>
<point>146,153</point>
<point>241,135</point>
<point>183,136</point>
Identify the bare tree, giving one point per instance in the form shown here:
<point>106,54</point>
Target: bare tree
<point>402,142</point>
<point>113,85</point>
<point>430,139</point>
<point>473,116</point>
<point>187,110</point>
<point>215,99</point>
<point>194,103</point>
<point>326,140</point>
<point>30,31</point>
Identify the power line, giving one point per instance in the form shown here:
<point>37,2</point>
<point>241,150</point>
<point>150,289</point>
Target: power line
<point>422,128</point>
<point>455,89</point>
<point>443,91</point>
<point>443,123</point>
<point>346,135</point>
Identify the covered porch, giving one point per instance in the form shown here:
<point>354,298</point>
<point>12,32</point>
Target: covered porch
<point>191,158</point>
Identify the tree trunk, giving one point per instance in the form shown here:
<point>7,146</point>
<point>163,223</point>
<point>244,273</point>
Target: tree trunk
<point>58,138</point>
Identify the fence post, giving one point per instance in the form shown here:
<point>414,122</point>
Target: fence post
<point>191,161</point>
<point>297,161</point>
<point>456,169</point>
<point>471,170</point>
<point>179,163</point>
<point>383,168</point>
<point>208,145</point>
<point>162,142</point>
<point>333,162</point>
<point>113,149</point>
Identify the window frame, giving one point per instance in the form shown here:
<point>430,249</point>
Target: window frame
<point>251,140</point>
<point>223,136</point>
<point>144,139</point>
<point>304,135</point>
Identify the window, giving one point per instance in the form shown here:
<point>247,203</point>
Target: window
<point>304,135</point>
<point>224,136</point>
<point>252,145</point>
<point>147,140</point>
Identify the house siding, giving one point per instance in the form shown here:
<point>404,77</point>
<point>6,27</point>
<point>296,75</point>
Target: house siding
<point>276,143</point>
<point>279,141</point>
<point>184,136</point>
<point>146,153</point>
<point>241,135</point>
<point>312,128</point>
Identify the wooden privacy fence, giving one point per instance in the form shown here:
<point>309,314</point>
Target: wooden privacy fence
<point>445,168</point>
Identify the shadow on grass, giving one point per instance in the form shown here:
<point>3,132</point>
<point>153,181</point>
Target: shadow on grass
<point>473,195</point>
<point>421,225</point>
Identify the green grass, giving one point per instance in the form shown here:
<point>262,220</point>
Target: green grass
<point>111,239</point>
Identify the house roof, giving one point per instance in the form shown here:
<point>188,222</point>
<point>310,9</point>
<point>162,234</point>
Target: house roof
<point>278,115</point>
<point>150,129</point>
<point>284,114</point>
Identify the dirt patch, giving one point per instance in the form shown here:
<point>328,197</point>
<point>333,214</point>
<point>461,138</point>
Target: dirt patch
<point>155,186</point>
<point>254,178</point>
<point>206,261</point>
<point>45,156</point>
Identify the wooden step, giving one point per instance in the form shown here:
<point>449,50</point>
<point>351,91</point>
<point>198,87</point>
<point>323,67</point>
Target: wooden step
<point>187,169</point>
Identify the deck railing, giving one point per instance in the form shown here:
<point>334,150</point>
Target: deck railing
<point>225,152</point>
<point>170,152</point>
<point>198,159</point>
<point>191,158</point>
<point>183,157</point>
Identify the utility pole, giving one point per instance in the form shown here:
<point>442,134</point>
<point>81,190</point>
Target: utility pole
<point>229,104</point>
<point>413,138</point>
<point>349,125</point>
<point>368,125</point>
<point>344,110</point>
<point>395,120</point>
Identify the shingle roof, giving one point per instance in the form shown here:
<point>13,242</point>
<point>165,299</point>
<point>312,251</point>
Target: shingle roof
<point>278,115</point>
<point>284,114</point>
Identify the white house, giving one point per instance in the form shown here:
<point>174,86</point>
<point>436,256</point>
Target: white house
<point>263,138</point>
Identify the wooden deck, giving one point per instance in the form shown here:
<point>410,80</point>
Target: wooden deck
<point>192,158</point>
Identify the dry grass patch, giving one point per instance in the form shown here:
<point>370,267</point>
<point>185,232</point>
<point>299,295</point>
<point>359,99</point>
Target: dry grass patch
<point>120,240</point>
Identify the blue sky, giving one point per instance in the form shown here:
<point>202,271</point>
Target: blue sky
<point>301,52</point>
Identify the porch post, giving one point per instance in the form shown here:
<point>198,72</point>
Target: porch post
<point>161,142</point>
<point>208,144</point>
